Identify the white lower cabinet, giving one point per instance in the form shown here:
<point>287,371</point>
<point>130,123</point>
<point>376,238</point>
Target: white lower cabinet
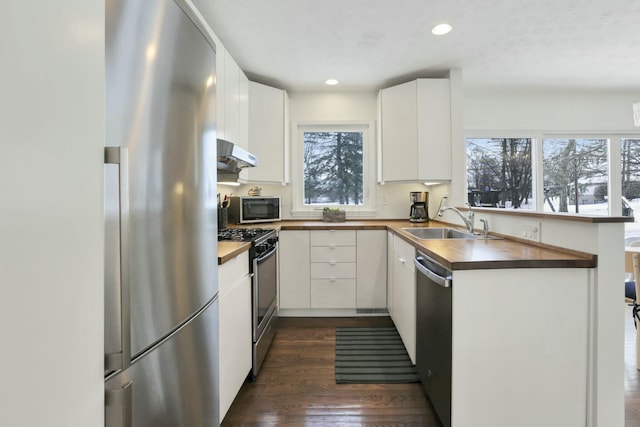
<point>235,329</point>
<point>333,269</point>
<point>333,293</point>
<point>295,284</point>
<point>403,310</point>
<point>390,270</point>
<point>372,269</point>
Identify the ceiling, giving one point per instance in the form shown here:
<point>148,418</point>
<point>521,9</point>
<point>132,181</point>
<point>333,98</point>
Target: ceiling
<point>370,44</point>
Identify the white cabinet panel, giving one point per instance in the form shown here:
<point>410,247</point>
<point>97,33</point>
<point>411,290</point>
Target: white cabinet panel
<point>268,117</point>
<point>333,238</point>
<point>434,129</point>
<point>415,143</point>
<point>333,254</point>
<point>400,132</point>
<point>338,270</point>
<point>328,293</point>
<point>371,269</point>
<point>404,294</point>
<point>341,269</point>
<point>243,107</point>
<point>231,271</point>
<point>220,92</point>
<point>294,269</point>
<point>231,99</point>
<point>235,329</point>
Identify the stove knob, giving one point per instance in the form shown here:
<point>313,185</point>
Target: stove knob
<point>261,248</point>
<point>272,240</point>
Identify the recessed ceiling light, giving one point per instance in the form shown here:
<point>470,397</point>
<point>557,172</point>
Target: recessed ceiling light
<point>331,82</point>
<point>441,29</point>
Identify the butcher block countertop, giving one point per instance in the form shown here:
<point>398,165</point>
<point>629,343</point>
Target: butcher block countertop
<point>455,254</point>
<point>228,250</point>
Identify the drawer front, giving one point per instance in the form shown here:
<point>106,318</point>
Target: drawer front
<point>404,252</point>
<point>232,271</point>
<point>333,254</point>
<point>338,293</point>
<point>338,270</point>
<point>333,237</point>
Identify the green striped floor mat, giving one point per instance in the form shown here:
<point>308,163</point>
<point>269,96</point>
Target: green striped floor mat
<point>372,355</point>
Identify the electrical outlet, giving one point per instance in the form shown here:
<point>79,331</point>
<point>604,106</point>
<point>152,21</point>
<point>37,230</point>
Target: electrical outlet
<point>532,231</point>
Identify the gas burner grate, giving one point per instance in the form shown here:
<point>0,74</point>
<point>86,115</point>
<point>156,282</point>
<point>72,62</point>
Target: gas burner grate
<point>241,234</point>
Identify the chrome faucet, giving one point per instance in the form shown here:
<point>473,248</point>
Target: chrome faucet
<point>468,219</point>
<point>485,228</point>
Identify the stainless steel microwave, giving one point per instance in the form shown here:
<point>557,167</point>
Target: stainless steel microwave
<point>251,209</point>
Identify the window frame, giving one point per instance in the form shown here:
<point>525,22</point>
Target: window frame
<point>365,210</point>
<point>613,156</point>
<point>536,156</point>
<point>581,135</point>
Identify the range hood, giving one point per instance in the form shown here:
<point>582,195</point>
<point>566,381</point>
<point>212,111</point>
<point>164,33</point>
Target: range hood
<point>231,160</point>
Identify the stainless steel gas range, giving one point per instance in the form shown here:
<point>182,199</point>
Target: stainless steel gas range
<point>263,266</point>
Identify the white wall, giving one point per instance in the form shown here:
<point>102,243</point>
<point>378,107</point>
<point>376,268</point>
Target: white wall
<point>549,111</point>
<point>51,220</point>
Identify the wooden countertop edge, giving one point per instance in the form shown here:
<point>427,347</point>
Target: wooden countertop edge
<point>595,219</point>
<point>520,264</point>
<point>230,250</point>
<point>587,260</point>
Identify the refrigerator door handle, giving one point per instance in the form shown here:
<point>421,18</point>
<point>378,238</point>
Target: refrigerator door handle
<point>121,359</point>
<point>118,406</point>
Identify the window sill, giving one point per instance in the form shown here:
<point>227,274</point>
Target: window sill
<point>317,214</point>
<point>553,215</point>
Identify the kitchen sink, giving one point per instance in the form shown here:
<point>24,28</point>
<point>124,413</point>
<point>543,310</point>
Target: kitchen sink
<point>440,233</point>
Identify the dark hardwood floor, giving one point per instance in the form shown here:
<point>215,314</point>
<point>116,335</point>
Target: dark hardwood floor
<point>296,386</point>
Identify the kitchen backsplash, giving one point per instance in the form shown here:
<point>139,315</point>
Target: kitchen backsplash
<point>392,200</point>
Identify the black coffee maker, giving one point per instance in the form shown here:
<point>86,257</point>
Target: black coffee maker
<point>419,211</point>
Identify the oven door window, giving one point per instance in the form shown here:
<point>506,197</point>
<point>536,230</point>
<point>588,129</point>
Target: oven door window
<point>260,209</point>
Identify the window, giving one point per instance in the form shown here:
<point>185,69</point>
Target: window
<point>576,175</point>
<point>499,172</point>
<point>630,180</point>
<point>333,167</point>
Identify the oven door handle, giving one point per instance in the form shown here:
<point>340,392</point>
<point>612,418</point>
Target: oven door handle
<point>266,255</point>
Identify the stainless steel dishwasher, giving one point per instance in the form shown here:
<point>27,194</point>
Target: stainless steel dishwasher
<point>433,333</point>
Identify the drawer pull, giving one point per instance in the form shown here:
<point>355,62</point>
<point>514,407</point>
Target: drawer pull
<point>332,263</point>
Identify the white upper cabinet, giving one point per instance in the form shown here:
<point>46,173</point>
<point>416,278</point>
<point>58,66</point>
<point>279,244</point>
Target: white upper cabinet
<point>415,134</point>
<point>231,84</point>
<point>220,92</point>
<point>243,108</point>
<point>232,92</point>
<point>268,134</point>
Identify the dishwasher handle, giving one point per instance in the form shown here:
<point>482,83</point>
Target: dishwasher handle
<point>445,282</point>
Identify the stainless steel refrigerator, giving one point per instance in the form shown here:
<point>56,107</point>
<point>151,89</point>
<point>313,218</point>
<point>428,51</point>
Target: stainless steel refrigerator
<point>161,290</point>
